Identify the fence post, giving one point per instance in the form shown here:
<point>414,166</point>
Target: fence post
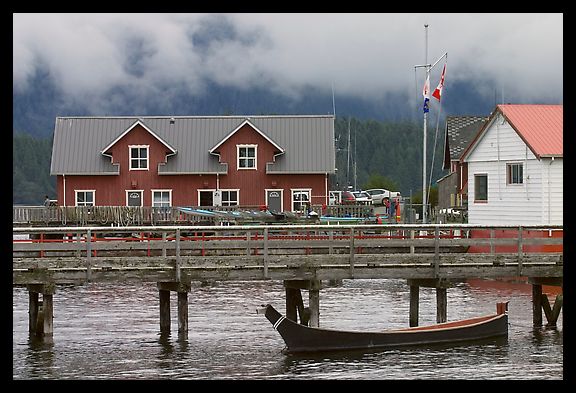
<point>436,251</point>
<point>88,254</point>
<point>266,252</point>
<point>520,252</point>
<point>177,254</point>
<point>352,252</point>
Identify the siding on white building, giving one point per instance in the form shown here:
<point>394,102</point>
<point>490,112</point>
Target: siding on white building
<point>539,200</point>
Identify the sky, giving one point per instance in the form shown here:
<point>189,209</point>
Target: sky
<point>519,56</point>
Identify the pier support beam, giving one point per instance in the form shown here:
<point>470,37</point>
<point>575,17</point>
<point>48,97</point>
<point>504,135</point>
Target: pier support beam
<point>309,316</point>
<point>441,284</point>
<point>182,289</point>
<point>540,300</point>
<point>41,312</point>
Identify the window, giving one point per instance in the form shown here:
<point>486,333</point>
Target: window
<point>514,174</point>
<point>85,197</point>
<point>300,200</point>
<point>230,198</point>
<point>138,157</point>
<point>480,188</point>
<point>246,156</point>
<point>161,198</point>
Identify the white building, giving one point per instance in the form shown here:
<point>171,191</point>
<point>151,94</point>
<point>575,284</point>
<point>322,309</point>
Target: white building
<point>515,167</point>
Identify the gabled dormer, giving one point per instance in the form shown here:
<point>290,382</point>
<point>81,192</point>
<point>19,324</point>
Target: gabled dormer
<point>245,153</point>
<point>138,152</point>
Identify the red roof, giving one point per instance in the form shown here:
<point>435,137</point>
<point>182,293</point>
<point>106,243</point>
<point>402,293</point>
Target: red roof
<point>540,126</point>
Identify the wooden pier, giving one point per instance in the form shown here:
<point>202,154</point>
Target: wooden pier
<point>302,256</point>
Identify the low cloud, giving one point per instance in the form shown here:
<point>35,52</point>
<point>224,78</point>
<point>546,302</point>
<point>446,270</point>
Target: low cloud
<point>88,56</point>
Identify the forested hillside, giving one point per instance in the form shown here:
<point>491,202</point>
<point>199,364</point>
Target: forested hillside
<point>390,151</point>
<point>31,179</point>
<point>381,153</point>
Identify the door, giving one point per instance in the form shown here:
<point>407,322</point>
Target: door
<point>274,200</point>
<point>205,197</point>
<point>134,198</point>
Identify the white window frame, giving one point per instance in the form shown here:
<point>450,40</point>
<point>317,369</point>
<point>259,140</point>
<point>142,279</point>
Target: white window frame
<point>238,157</point>
<point>476,176</point>
<point>84,203</point>
<point>141,196</point>
<point>130,147</point>
<point>228,202</point>
<point>509,177</point>
<point>162,191</point>
<point>294,191</point>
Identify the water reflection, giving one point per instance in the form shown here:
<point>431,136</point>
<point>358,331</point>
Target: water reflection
<point>118,336</point>
<point>40,356</point>
<point>295,363</point>
<point>547,335</point>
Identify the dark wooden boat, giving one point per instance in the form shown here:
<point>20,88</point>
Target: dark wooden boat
<point>301,338</point>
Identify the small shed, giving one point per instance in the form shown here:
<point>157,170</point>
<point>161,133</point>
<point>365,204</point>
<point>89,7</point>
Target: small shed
<point>515,167</point>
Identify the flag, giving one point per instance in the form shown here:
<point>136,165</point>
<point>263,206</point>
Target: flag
<point>426,93</point>
<point>438,92</point>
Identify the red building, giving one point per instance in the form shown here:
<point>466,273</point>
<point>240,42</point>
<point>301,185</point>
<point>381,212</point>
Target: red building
<point>282,162</point>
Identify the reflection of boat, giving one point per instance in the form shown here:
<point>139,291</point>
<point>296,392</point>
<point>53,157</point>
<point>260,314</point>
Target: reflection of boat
<point>301,338</point>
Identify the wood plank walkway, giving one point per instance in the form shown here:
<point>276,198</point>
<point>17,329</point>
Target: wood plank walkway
<point>280,252</point>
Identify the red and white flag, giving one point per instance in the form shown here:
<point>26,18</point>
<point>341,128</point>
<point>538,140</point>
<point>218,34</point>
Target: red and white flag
<point>438,92</point>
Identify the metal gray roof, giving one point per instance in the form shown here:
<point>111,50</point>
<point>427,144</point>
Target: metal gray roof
<point>460,130</point>
<point>308,142</point>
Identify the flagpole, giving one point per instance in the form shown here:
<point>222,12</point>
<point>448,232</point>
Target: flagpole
<point>424,133</point>
<point>426,109</point>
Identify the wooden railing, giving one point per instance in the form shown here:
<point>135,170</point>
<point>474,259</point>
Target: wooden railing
<point>166,253</point>
<point>136,215</point>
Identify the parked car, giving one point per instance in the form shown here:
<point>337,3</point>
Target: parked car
<point>347,198</point>
<point>379,194</point>
<point>362,197</point>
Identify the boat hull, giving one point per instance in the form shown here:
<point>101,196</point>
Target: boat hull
<point>301,338</point>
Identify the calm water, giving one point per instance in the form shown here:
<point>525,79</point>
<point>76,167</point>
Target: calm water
<point>111,331</point>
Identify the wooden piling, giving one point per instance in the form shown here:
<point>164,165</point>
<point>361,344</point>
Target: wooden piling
<point>441,285</point>
<point>41,312</point>
<point>164,296</point>
<point>182,313</point>
<point>414,304</point>
<point>164,289</point>
<point>314,303</point>
<point>33,307</point>
<point>441,305</point>
<point>310,315</point>
<point>540,300</point>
